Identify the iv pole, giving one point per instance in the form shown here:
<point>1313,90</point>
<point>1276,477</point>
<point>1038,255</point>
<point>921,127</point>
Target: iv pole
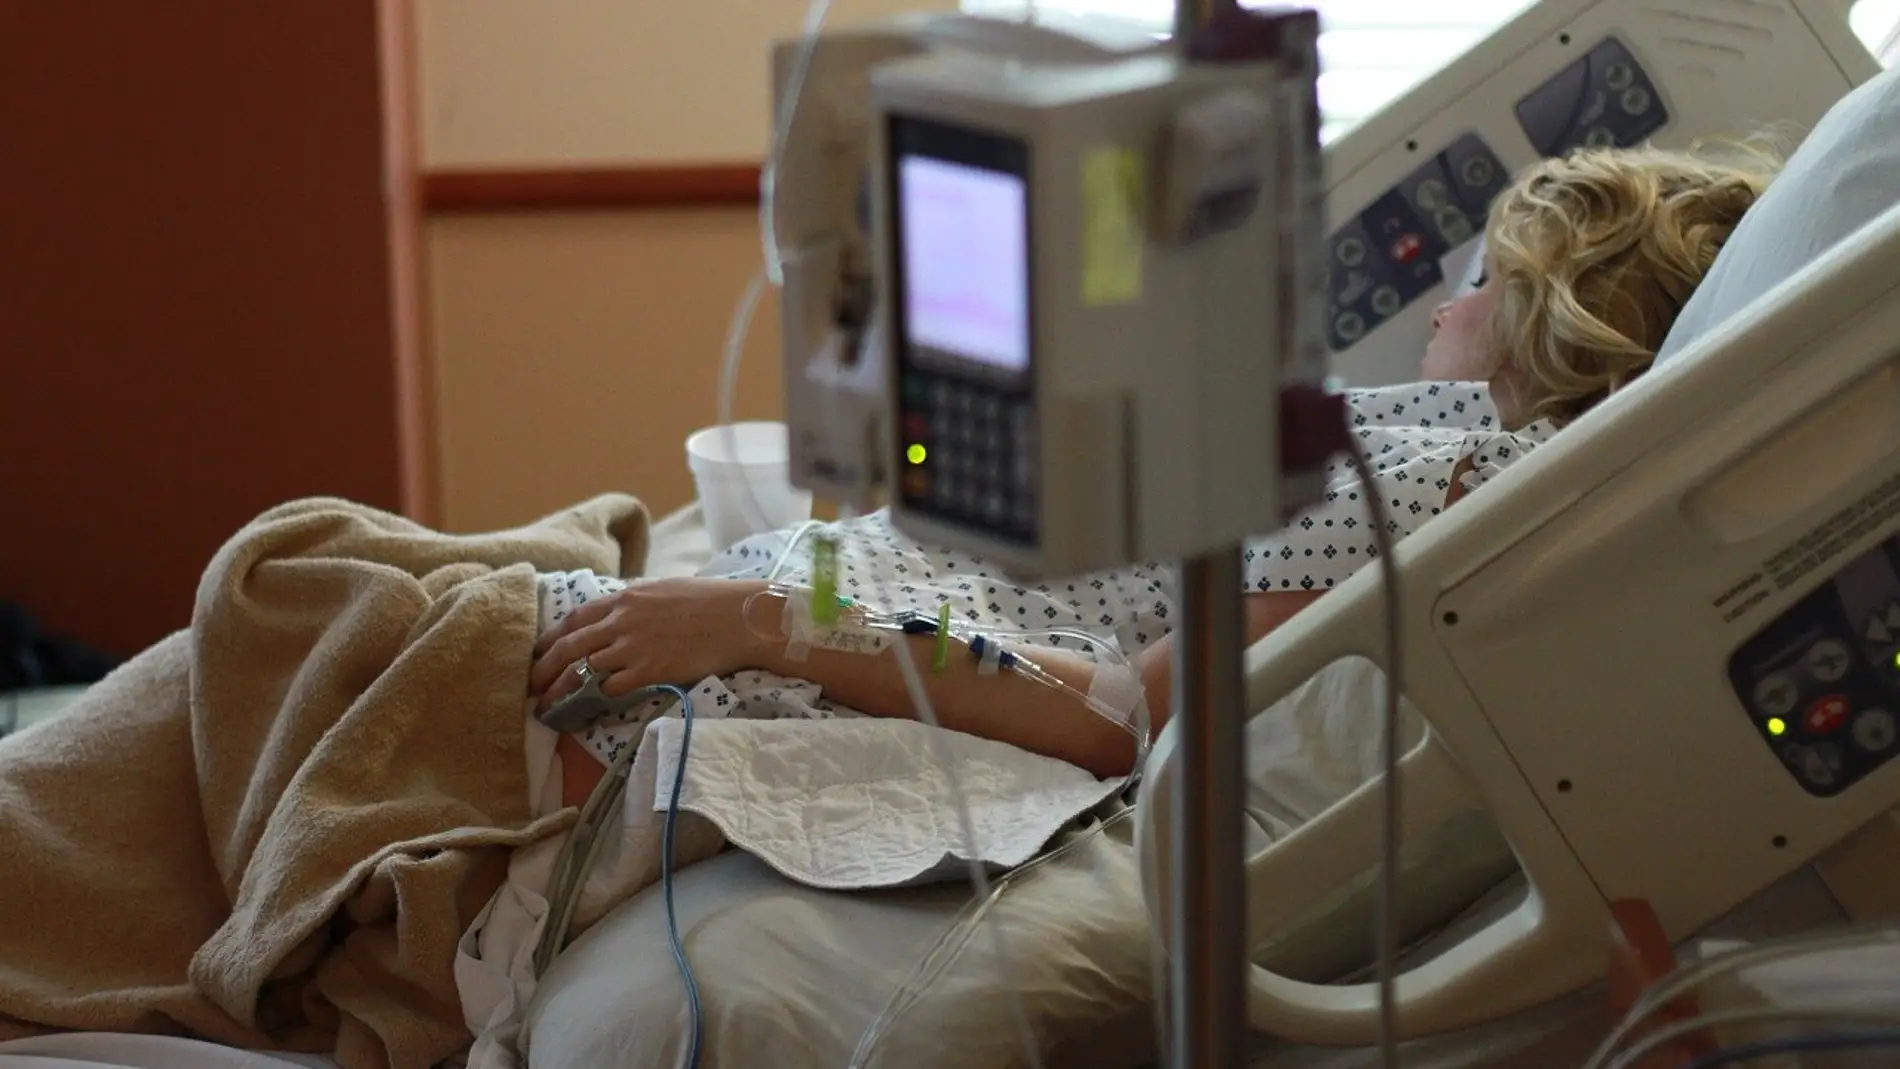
<point>1208,970</point>
<point>1210,1012</point>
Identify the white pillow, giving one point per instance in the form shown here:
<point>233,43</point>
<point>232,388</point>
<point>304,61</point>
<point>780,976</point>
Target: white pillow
<point>1845,174</point>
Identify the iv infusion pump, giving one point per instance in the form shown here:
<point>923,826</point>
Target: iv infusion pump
<point>1086,266</point>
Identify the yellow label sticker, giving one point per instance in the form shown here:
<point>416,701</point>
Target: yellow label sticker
<point>1113,181</point>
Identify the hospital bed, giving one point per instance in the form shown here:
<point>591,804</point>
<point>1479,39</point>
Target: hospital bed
<point>794,977</point>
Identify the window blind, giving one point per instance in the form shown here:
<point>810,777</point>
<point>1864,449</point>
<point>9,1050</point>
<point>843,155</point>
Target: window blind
<point>1371,51</point>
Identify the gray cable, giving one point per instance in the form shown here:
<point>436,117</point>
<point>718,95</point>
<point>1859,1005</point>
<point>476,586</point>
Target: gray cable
<point>1386,931</point>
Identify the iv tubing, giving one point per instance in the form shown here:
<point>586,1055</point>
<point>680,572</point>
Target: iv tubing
<point>980,641</point>
<point>815,15</point>
<point>979,880</point>
<point>773,271</point>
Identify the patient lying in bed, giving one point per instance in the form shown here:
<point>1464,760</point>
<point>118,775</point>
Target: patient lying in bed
<point>306,798</point>
<point>1588,259</point>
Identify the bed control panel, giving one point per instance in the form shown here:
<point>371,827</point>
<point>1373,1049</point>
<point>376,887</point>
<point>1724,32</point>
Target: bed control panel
<point>1822,682</point>
<point>1603,100</point>
<point>1389,255</point>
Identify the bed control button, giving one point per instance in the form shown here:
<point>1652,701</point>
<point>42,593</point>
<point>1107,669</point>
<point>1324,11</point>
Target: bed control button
<point>1878,632</point>
<point>1350,327</point>
<point>1829,660</point>
<point>1873,730</point>
<point>1827,715</point>
<point>1619,76</point>
<point>1818,766</point>
<point>1777,695</point>
<point>1599,103</point>
<point>1635,101</point>
<point>1454,227</point>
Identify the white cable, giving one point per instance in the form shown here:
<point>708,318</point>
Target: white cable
<point>736,333</point>
<point>1387,928</point>
<point>1160,975</point>
<point>815,14</point>
<point>979,880</point>
<point>1668,1034</point>
<point>1688,978</point>
<point>939,958</point>
<point>983,893</point>
<point>773,271</point>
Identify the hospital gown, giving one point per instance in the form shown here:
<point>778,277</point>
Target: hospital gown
<point>1416,436</point>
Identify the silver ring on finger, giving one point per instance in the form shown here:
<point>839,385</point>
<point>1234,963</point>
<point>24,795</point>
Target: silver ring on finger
<point>584,670</point>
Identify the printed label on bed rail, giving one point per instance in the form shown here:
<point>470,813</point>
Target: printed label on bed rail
<point>1826,543</point>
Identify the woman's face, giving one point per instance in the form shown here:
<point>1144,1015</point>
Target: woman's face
<point>1460,349</point>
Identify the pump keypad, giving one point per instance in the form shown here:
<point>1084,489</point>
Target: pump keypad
<point>1603,100</point>
<point>1822,682</point>
<point>968,454</point>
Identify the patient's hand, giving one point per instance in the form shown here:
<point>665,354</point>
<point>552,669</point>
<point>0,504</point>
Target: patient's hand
<point>677,631</point>
<point>1467,466</point>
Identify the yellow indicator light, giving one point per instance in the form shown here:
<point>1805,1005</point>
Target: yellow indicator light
<point>915,454</point>
<point>1777,726</point>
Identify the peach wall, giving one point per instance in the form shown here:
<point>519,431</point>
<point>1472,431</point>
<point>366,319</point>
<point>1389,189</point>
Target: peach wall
<point>574,351</point>
<point>559,81</point>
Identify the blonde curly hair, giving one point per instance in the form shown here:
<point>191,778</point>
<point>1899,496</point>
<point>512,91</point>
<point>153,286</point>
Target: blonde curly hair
<point>1594,255</point>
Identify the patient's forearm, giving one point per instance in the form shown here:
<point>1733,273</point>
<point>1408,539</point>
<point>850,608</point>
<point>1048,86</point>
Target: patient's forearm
<point>1264,613</point>
<point>1003,706</point>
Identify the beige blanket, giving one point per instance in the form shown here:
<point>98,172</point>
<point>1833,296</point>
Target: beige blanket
<point>269,830</point>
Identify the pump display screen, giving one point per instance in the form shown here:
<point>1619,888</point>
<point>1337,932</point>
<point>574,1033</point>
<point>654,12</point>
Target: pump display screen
<point>966,260</point>
<point>960,202</point>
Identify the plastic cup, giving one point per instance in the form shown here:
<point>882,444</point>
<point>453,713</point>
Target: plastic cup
<point>729,462</point>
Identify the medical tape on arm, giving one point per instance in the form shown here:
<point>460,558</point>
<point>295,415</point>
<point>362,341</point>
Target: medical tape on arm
<point>797,624</point>
<point>1116,692</point>
<point>850,633</point>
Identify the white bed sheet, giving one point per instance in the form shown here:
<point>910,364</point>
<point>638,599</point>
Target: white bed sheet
<point>1555,1036</point>
<point>111,1050</point>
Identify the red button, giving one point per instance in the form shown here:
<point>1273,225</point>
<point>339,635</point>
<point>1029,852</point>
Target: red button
<point>1827,714</point>
<point>1407,247</point>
